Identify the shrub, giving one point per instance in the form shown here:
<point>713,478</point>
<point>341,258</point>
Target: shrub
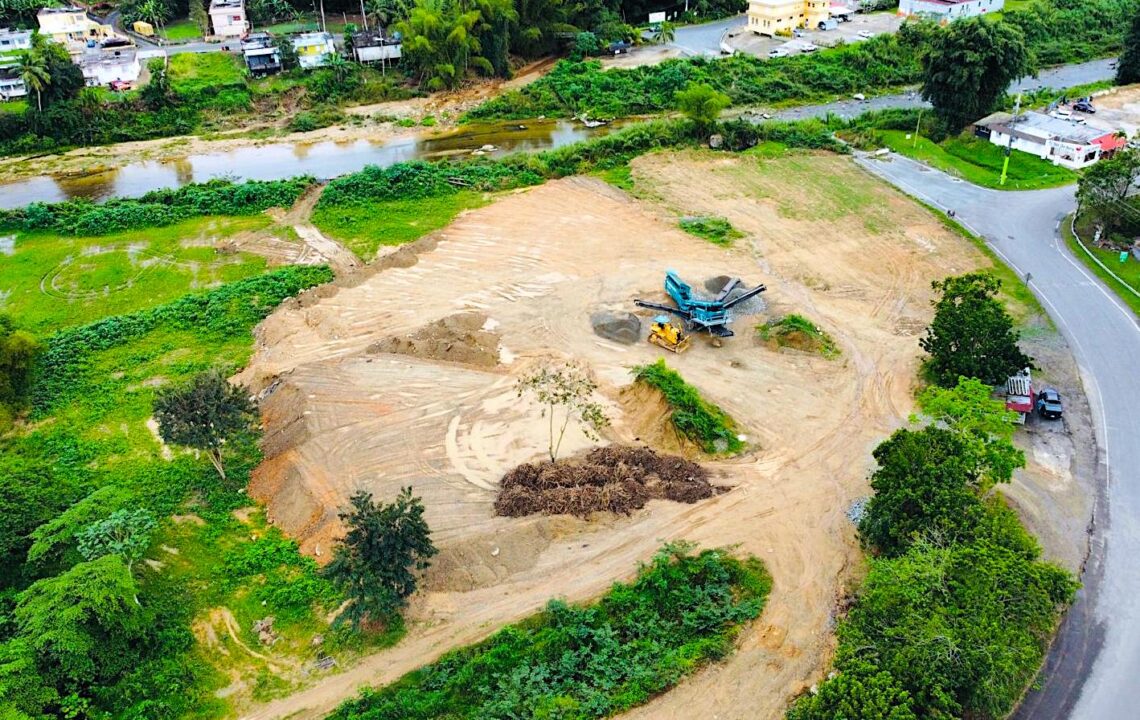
<point>796,331</point>
<point>692,415</point>
<point>716,230</point>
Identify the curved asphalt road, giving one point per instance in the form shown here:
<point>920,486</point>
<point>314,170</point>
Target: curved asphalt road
<point>1093,670</point>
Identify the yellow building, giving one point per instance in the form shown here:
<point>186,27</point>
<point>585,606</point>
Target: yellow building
<point>780,17</point>
<point>71,26</point>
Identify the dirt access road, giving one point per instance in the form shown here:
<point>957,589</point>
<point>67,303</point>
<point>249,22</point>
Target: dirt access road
<point>827,239</point>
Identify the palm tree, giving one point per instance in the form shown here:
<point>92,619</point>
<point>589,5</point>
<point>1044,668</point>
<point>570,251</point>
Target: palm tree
<point>386,12</point>
<point>339,66</point>
<point>665,33</point>
<point>33,69</point>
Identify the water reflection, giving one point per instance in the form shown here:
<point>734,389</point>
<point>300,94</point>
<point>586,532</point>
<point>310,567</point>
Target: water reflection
<point>281,160</point>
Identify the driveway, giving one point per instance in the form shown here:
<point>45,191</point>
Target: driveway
<point>1092,669</point>
<point>705,39</point>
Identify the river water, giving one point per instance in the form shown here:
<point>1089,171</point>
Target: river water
<point>281,160</point>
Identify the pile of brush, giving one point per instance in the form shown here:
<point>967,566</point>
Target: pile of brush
<point>615,479</point>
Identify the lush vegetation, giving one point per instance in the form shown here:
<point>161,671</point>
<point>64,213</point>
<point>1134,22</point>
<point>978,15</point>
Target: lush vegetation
<point>156,208</point>
<point>681,612</point>
<point>1104,197</point>
<point>954,617</point>
<point>797,332</point>
<point>716,230</point>
<point>971,335</point>
<point>1128,271</point>
<point>18,349</point>
<point>1128,66</point>
<point>693,416</point>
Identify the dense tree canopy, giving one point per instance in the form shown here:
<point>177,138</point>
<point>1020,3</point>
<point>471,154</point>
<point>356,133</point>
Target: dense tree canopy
<point>1128,66</point>
<point>376,564</point>
<point>1102,189</point>
<point>967,67</point>
<point>971,335</point>
<point>203,415</point>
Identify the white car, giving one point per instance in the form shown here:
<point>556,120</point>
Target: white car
<point>777,52</point>
<point>866,35</point>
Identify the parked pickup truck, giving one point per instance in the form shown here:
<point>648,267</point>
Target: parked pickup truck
<point>1049,404</point>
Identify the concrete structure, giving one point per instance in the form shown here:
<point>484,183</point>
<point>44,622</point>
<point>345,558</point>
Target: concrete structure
<point>261,54</point>
<point>374,46</point>
<point>945,11</point>
<point>780,17</point>
<point>11,86</point>
<point>1062,142</point>
<point>313,49</point>
<point>103,67</point>
<point>14,40</point>
<point>227,18</point>
<point>71,26</point>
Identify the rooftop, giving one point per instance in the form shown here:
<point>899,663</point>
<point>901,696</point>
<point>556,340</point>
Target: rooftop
<point>226,4</point>
<point>311,38</point>
<point>1045,125</point>
<point>61,11</point>
<point>372,38</point>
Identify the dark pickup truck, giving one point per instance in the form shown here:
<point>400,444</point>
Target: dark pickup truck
<point>1049,404</point>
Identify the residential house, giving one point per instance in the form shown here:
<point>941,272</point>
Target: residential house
<point>1062,142</point>
<point>72,27</point>
<point>103,66</point>
<point>313,48</point>
<point>944,11</point>
<point>227,18</point>
<point>11,86</point>
<point>780,17</point>
<point>14,40</point>
<point>261,54</point>
<point>374,46</point>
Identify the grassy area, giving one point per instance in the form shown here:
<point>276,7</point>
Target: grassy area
<point>53,281</point>
<point>682,612</point>
<point>14,106</point>
<point>799,333</point>
<point>182,30</point>
<point>694,417</point>
<point>365,227</point>
<point>716,230</point>
<point>980,161</point>
<point>1128,271</point>
<point>194,71</point>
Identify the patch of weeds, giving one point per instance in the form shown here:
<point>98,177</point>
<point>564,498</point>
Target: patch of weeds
<point>694,417</point>
<point>428,121</point>
<point>799,333</point>
<point>406,122</point>
<point>716,230</point>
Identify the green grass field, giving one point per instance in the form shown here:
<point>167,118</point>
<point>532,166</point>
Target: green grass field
<point>1128,271</point>
<point>364,228</point>
<point>182,30</point>
<point>979,161</point>
<point>193,71</point>
<point>51,281</point>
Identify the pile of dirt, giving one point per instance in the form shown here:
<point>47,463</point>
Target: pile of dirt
<point>616,479</point>
<point>462,338</point>
<point>622,327</point>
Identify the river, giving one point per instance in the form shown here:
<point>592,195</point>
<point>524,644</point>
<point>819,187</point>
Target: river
<point>274,161</point>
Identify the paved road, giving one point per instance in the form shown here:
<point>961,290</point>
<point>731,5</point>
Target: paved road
<point>1093,670</point>
<point>704,39</point>
<point>1057,78</point>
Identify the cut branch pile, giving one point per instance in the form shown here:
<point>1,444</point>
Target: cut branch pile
<point>615,479</point>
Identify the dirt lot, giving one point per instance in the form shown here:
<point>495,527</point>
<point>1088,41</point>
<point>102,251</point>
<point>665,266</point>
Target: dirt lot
<point>829,242</point>
<point>1118,108</point>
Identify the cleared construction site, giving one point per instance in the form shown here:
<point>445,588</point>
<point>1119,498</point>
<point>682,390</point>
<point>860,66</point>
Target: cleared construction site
<point>405,372</point>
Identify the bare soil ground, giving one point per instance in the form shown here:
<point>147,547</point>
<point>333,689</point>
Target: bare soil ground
<point>1118,108</point>
<point>828,240</point>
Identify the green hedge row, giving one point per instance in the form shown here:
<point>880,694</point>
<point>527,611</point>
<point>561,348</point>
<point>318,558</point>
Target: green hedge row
<point>682,612</point>
<point>157,208</point>
<point>232,308</point>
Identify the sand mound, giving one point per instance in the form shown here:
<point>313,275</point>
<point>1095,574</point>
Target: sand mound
<point>622,327</point>
<point>616,479</point>
<point>461,338</point>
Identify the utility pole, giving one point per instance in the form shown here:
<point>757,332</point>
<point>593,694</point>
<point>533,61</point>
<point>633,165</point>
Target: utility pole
<point>363,16</point>
<point>917,125</point>
<point>1009,146</point>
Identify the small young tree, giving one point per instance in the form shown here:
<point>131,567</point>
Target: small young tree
<point>376,564</point>
<point>1128,66</point>
<point>203,415</point>
<point>198,16</point>
<point>665,33</point>
<point>971,335</point>
<point>1102,188</point>
<point>125,533</point>
<point>968,66</point>
<point>702,104</point>
<point>570,389</point>
<point>158,91</point>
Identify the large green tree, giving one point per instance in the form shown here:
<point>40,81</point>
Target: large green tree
<point>968,65</point>
<point>924,486</point>
<point>203,415</point>
<point>1102,189</point>
<point>1128,66</point>
<point>376,564</point>
<point>971,335</point>
<point>702,104</point>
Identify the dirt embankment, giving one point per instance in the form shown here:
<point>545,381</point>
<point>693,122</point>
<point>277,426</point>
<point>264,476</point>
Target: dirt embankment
<point>829,241</point>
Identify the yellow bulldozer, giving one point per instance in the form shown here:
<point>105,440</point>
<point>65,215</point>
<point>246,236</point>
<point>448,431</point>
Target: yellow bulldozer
<point>667,335</point>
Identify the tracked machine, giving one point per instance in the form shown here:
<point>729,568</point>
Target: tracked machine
<point>699,315</point>
<point>667,335</point>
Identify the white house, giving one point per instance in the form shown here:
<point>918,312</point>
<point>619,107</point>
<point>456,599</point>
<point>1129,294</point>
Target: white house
<point>373,46</point>
<point>106,66</point>
<point>11,86</point>
<point>227,18</point>
<point>1062,142</point>
<point>313,48</point>
<point>945,11</point>
<point>261,54</point>
<point>13,40</point>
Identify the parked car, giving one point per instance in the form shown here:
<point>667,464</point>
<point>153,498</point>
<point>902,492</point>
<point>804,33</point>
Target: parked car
<point>1084,106</point>
<point>120,85</point>
<point>1049,404</point>
<point>810,48</point>
<point>777,52</point>
<point>866,35</point>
